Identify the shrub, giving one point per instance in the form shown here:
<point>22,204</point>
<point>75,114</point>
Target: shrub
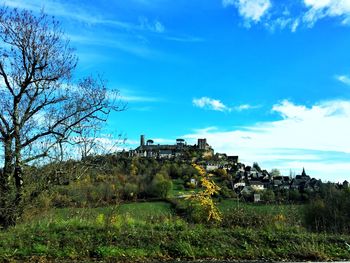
<point>130,191</point>
<point>294,195</point>
<point>222,173</point>
<point>202,201</point>
<point>161,189</point>
<point>226,192</point>
<point>161,186</point>
<point>268,196</point>
<point>61,200</point>
<point>330,213</point>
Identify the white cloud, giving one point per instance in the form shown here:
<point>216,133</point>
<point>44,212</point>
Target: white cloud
<point>86,16</point>
<point>125,38</point>
<point>209,103</point>
<point>283,22</point>
<point>159,27</point>
<point>295,25</point>
<point>217,105</point>
<point>121,43</point>
<point>131,98</point>
<point>343,78</point>
<point>280,16</point>
<point>130,95</point>
<point>250,10</point>
<point>227,3</point>
<point>323,129</point>
<point>155,26</point>
<point>243,107</point>
<point>186,39</point>
<point>319,9</point>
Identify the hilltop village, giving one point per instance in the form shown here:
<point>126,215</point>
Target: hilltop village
<point>244,179</point>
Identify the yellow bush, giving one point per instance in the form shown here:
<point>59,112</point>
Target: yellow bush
<point>204,197</point>
<point>100,220</point>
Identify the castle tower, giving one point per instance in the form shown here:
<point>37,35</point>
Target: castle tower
<point>303,173</point>
<point>142,140</point>
<point>202,143</point>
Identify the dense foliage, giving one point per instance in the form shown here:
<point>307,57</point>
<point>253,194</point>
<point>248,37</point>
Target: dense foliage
<point>330,211</point>
<point>99,208</point>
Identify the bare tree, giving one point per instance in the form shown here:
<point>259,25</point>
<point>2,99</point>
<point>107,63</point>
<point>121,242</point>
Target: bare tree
<point>40,104</point>
<point>91,139</point>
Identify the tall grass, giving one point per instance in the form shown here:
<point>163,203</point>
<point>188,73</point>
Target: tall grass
<point>152,231</point>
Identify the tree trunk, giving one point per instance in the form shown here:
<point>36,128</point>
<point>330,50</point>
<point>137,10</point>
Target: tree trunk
<point>18,172</point>
<point>5,177</point>
<point>8,168</point>
<point>18,175</point>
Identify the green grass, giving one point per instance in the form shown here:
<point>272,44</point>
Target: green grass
<point>146,210</point>
<point>229,205</point>
<point>137,212</point>
<point>178,189</point>
<point>151,231</point>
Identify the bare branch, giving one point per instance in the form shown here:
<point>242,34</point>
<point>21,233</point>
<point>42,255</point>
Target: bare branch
<point>39,100</point>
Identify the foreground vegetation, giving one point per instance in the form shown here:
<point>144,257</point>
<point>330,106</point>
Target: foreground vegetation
<point>101,209</point>
<point>152,230</point>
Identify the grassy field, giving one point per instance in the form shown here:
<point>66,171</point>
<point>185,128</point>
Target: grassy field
<point>113,216</point>
<point>178,189</point>
<point>152,231</point>
<point>231,205</point>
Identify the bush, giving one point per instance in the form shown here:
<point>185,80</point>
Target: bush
<point>160,186</point>
<point>330,213</point>
<point>294,195</point>
<point>61,200</point>
<point>226,192</point>
<point>130,191</point>
<point>196,214</point>
<point>221,173</point>
<point>268,196</point>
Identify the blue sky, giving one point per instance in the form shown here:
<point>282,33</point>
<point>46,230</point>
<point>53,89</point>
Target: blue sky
<point>266,80</point>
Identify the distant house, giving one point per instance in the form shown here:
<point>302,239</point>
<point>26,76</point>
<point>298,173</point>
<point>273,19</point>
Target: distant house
<point>167,154</point>
<point>246,190</point>
<point>303,182</point>
<point>239,184</point>
<point>257,198</point>
<point>295,184</point>
<point>211,167</point>
<point>313,185</point>
<point>241,167</point>
<point>193,181</point>
<point>254,174</point>
<point>298,184</point>
<point>277,181</point>
<point>286,179</point>
<point>256,185</point>
<point>303,176</point>
<point>232,159</point>
<point>266,183</point>
<point>285,186</point>
<point>345,184</point>
<point>221,156</point>
<point>239,174</point>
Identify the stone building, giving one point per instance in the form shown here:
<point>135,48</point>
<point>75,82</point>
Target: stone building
<point>149,149</point>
